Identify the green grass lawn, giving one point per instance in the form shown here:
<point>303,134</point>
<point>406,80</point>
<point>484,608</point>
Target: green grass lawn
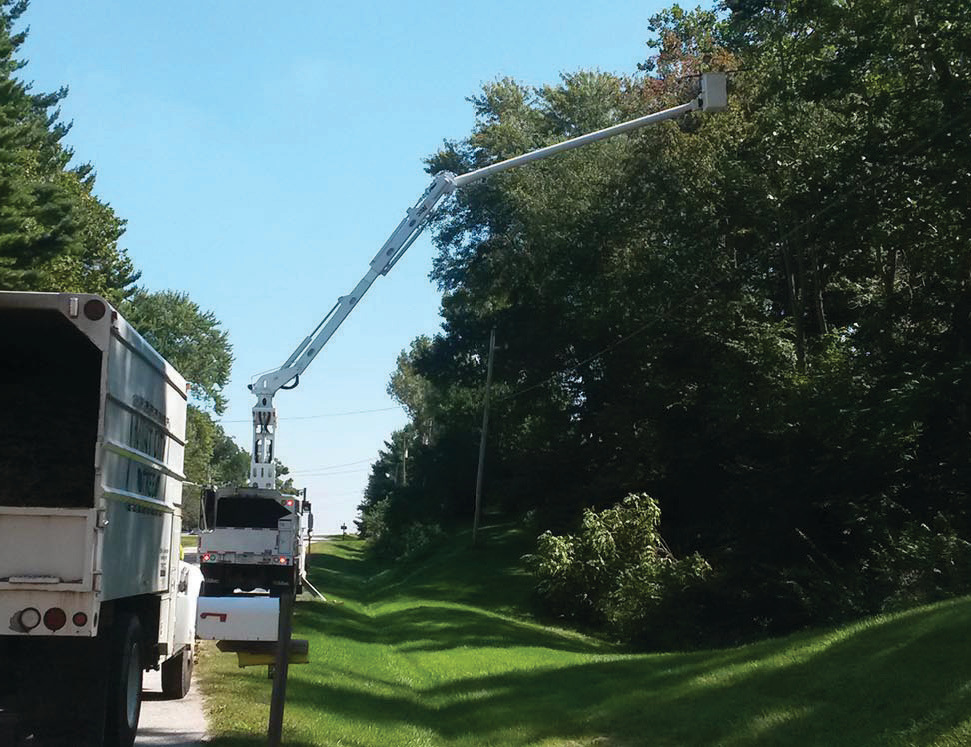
<point>443,655</point>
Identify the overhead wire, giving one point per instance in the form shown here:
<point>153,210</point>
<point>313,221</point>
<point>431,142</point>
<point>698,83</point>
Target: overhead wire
<point>330,467</point>
<point>321,415</point>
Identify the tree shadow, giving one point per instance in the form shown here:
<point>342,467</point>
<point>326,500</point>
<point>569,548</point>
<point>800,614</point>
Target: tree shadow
<point>905,680</point>
<point>437,628</point>
<point>242,740</point>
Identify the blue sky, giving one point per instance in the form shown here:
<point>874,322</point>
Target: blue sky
<point>261,155</point>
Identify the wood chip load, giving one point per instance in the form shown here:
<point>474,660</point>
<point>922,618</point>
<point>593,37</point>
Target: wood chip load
<point>49,422</point>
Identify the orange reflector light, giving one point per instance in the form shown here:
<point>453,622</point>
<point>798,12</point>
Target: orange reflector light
<point>55,618</point>
<point>80,619</point>
<point>283,560</point>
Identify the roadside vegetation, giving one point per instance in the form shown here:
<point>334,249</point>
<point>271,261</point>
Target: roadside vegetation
<point>760,318</point>
<point>447,653</point>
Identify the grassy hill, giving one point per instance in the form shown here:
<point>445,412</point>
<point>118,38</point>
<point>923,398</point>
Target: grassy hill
<point>442,654</point>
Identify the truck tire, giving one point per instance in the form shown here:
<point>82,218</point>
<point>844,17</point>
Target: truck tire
<point>125,683</point>
<point>177,674</point>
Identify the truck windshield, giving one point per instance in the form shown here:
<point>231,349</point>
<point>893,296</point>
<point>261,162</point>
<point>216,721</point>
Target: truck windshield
<point>248,512</point>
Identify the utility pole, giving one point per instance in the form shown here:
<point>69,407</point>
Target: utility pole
<point>404,459</point>
<point>482,441</point>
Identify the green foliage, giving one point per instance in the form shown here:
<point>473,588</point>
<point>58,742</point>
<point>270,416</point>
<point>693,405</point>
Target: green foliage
<point>55,235</point>
<point>373,522</point>
<point>441,653</point>
<point>919,563</point>
<point>396,541</point>
<point>413,391</point>
<point>188,337</point>
<point>618,572</point>
<point>211,458</point>
<point>283,483</point>
<point>762,316</point>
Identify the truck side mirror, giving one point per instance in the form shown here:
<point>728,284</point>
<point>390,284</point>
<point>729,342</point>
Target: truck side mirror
<point>208,508</point>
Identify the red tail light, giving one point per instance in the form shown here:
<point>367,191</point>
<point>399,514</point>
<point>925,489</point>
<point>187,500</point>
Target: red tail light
<point>206,557</point>
<point>80,619</point>
<point>55,619</point>
<point>283,560</point>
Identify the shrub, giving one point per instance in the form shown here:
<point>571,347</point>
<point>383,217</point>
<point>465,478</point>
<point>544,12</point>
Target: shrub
<point>919,564</point>
<point>618,572</point>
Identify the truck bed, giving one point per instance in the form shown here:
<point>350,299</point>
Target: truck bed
<point>52,374</point>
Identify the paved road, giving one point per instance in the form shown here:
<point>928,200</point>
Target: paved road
<point>174,723</point>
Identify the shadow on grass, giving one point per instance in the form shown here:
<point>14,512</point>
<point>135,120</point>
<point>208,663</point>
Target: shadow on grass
<point>249,741</point>
<point>436,628</point>
<point>346,570</point>
<point>906,680</point>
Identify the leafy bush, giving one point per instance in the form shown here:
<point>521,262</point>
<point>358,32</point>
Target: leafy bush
<point>391,541</point>
<point>919,564</point>
<point>417,540</point>
<point>373,524</point>
<point>618,572</point>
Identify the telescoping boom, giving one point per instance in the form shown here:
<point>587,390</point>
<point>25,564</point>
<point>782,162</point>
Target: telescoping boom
<point>712,97</point>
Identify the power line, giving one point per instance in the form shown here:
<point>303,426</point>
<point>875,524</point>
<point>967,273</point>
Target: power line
<point>579,365</point>
<point>329,474</point>
<point>332,466</point>
<point>322,415</point>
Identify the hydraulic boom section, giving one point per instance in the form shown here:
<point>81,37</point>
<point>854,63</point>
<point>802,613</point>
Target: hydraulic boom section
<point>263,473</point>
<point>712,97</point>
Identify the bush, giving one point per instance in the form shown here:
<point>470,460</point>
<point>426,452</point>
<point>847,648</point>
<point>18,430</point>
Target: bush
<point>373,524</point>
<point>919,564</point>
<point>412,540</point>
<point>618,573</point>
<point>417,540</point>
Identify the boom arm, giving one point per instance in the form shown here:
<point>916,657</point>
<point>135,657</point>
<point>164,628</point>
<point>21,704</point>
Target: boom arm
<point>263,472</point>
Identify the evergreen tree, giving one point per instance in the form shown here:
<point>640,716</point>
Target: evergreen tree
<point>55,235</point>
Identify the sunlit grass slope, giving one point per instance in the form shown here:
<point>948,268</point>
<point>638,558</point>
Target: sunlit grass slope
<point>440,655</point>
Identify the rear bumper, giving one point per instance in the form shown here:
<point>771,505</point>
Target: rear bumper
<point>74,605</point>
<point>247,577</point>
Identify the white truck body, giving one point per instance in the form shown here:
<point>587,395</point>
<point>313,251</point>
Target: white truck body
<point>91,500</point>
<point>255,541</point>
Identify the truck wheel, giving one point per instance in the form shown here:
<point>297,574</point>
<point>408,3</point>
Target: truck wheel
<point>125,685</point>
<point>177,674</point>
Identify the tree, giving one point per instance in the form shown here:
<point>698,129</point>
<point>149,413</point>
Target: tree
<point>211,458</point>
<point>762,318</point>
<point>55,235</point>
<point>189,338</point>
<point>413,391</point>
